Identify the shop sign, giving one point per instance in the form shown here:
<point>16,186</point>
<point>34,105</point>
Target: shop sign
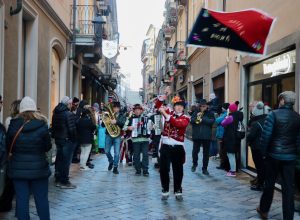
<point>109,48</point>
<point>282,65</point>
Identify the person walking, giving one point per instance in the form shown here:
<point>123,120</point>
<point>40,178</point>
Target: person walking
<point>279,144</point>
<point>115,142</point>
<point>253,140</point>
<point>29,139</point>
<point>86,127</point>
<point>140,140</point>
<point>64,133</point>
<point>172,149</point>
<point>202,122</point>
<point>230,139</point>
<point>224,163</point>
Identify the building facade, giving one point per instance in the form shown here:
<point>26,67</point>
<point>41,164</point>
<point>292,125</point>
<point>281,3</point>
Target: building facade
<point>148,71</point>
<point>47,51</point>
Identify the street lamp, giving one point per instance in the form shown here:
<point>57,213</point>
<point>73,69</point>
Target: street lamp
<point>98,22</point>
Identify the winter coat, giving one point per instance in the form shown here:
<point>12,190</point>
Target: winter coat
<point>281,134</point>
<point>29,160</point>
<point>85,130</point>
<point>230,123</point>
<point>298,161</point>
<point>3,150</point>
<point>203,130</point>
<point>63,123</point>
<point>220,128</point>
<point>256,129</point>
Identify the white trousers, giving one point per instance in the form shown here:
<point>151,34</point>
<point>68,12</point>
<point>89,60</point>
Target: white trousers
<point>85,152</point>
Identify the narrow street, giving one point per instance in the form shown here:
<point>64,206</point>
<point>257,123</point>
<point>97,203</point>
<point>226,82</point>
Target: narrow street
<point>103,195</point>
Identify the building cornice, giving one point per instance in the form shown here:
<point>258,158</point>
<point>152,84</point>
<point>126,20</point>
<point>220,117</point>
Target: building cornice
<point>46,7</point>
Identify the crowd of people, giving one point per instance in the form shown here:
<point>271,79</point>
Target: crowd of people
<point>79,129</point>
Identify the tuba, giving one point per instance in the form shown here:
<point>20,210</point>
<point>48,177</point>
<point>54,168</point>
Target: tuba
<point>113,130</point>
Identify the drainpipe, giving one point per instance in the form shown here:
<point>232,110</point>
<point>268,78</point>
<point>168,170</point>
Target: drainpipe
<point>74,30</point>
<point>18,8</point>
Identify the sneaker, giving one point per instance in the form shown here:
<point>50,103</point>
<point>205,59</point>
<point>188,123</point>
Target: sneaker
<point>84,168</point>
<point>194,168</point>
<point>68,185</point>
<point>256,187</point>
<point>178,196</point>
<point>156,165</point>
<point>115,170</point>
<point>110,166</point>
<point>205,172</point>
<point>138,173</point>
<point>90,165</point>
<point>164,195</point>
<point>262,215</point>
<point>231,174</point>
<point>145,173</point>
<point>129,164</point>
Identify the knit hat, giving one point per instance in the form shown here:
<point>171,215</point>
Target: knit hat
<point>27,105</point>
<point>96,106</point>
<point>225,106</point>
<point>233,107</point>
<point>66,100</point>
<point>289,97</point>
<point>259,109</point>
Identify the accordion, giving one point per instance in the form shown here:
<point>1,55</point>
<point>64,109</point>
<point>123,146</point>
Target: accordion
<point>141,127</point>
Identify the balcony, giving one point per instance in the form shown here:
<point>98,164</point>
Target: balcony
<point>168,32</point>
<point>88,32</point>
<point>171,13</point>
<point>180,60</point>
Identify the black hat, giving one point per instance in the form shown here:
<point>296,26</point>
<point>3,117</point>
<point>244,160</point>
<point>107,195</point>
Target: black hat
<point>116,105</point>
<point>75,100</point>
<point>137,106</point>
<point>225,106</point>
<point>202,102</point>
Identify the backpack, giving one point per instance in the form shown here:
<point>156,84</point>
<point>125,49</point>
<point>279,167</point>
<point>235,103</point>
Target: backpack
<point>240,131</point>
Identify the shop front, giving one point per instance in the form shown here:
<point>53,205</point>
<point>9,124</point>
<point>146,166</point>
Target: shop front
<point>266,80</point>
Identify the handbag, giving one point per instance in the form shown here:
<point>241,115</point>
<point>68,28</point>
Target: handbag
<point>15,139</point>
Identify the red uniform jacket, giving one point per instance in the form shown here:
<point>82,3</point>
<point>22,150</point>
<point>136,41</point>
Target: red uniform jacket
<point>174,128</point>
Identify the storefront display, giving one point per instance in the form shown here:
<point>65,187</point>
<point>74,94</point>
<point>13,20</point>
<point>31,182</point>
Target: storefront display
<point>267,80</point>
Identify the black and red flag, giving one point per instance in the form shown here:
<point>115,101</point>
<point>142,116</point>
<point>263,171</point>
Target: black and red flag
<point>245,31</point>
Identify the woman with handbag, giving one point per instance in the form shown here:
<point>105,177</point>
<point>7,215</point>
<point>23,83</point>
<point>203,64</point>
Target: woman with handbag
<point>28,140</point>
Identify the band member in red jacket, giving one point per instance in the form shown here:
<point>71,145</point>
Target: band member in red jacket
<point>172,149</point>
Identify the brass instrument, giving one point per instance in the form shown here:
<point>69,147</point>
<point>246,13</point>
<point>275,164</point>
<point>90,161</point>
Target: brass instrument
<point>113,130</point>
<point>199,118</point>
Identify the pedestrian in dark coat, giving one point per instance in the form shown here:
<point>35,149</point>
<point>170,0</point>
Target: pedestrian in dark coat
<point>86,127</point>
<point>28,165</point>
<point>231,142</point>
<point>279,143</point>
<point>253,140</point>
<point>202,122</point>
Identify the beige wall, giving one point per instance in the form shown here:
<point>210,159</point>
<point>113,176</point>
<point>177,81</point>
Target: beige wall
<point>63,9</point>
<point>48,33</point>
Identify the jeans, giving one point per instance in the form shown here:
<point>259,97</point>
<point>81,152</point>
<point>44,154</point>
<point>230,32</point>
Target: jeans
<point>259,164</point>
<point>232,161</point>
<point>64,154</point>
<point>116,142</point>
<point>196,150</point>
<point>138,148</point>
<point>213,148</point>
<point>176,156</point>
<point>39,189</point>
<point>287,172</point>
<point>85,152</point>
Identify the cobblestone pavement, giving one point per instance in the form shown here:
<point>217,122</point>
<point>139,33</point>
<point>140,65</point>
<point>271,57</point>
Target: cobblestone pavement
<point>102,195</point>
